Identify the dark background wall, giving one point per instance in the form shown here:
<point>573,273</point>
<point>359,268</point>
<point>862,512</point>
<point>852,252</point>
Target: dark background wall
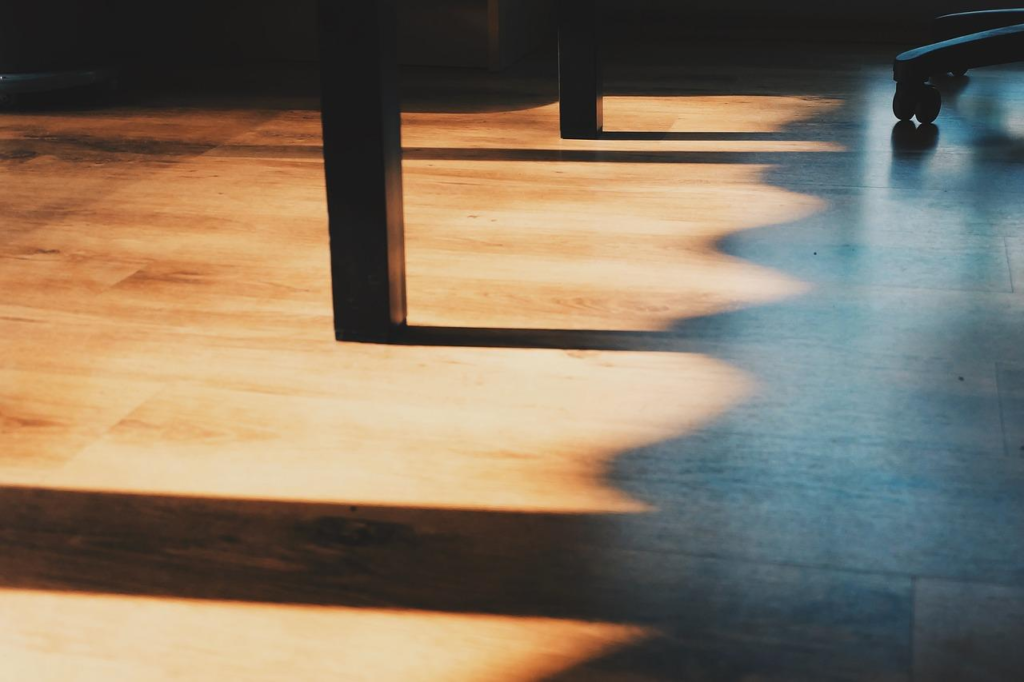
<point>456,32</point>
<point>45,34</point>
<point>441,32</point>
<point>40,35</point>
<point>892,10</point>
<point>477,33</point>
<point>893,19</point>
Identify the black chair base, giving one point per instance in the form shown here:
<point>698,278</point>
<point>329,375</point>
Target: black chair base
<point>964,41</point>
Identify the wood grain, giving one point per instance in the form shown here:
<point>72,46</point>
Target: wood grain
<point>56,636</point>
<point>700,399</point>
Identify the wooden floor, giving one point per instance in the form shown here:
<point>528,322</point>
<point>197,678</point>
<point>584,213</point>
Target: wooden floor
<point>733,393</point>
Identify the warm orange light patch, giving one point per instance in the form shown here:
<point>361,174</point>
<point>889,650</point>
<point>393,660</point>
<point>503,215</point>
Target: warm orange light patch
<point>55,637</point>
<point>725,115</point>
<point>620,246</point>
<point>729,113</point>
<point>168,331</point>
<point>483,428</point>
<point>46,418</point>
<point>616,233</point>
<point>220,305</point>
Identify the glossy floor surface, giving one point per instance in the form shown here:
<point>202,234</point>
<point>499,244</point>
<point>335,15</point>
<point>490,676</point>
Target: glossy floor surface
<point>735,392</point>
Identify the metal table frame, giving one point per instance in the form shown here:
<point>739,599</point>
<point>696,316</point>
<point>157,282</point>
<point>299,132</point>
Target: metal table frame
<point>363,149</point>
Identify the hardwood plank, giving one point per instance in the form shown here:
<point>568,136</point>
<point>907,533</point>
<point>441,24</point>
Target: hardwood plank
<point>146,220</point>
<point>967,632</point>
<point>835,495</point>
<point>56,276</point>
<point>887,260</point>
<point>45,419</point>
<point>686,446</point>
<point>950,325</point>
<point>711,619</point>
<point>830,502</point>
<point>337,445</point>
<point>51,637</point>
<point>793,473</point>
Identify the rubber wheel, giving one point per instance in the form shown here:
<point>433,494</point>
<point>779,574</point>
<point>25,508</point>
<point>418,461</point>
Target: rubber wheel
<point>929,104</point>
<point>904,102</point>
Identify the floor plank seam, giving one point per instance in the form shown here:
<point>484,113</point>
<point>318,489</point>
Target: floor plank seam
<point>1009,264</point>
<point>911,644</point>
<point>1007,450</point>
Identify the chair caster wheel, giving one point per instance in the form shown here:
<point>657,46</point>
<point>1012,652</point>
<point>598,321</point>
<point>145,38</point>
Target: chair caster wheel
<point>904,103</point>
<point>922,101</point>
<point>929,104</point>
<point>959,73</point>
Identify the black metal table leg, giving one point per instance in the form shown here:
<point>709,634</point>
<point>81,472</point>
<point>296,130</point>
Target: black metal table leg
<point>580,82</point>
<point>363,166</point>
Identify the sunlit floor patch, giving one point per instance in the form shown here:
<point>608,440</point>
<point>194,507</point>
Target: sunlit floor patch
<point>57,637</point>
<point>484,428</point>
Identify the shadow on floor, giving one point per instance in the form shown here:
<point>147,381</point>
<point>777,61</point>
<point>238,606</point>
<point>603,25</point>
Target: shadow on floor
<point>785,536</point>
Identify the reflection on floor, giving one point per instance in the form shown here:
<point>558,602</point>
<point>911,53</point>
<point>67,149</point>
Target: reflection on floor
<point>733,393</point>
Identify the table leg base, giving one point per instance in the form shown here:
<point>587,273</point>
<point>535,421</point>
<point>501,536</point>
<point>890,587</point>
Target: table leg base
<point>390,335</point>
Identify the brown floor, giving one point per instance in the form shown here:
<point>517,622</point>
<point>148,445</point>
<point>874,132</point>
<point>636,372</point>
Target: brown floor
<point>751,405</point>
